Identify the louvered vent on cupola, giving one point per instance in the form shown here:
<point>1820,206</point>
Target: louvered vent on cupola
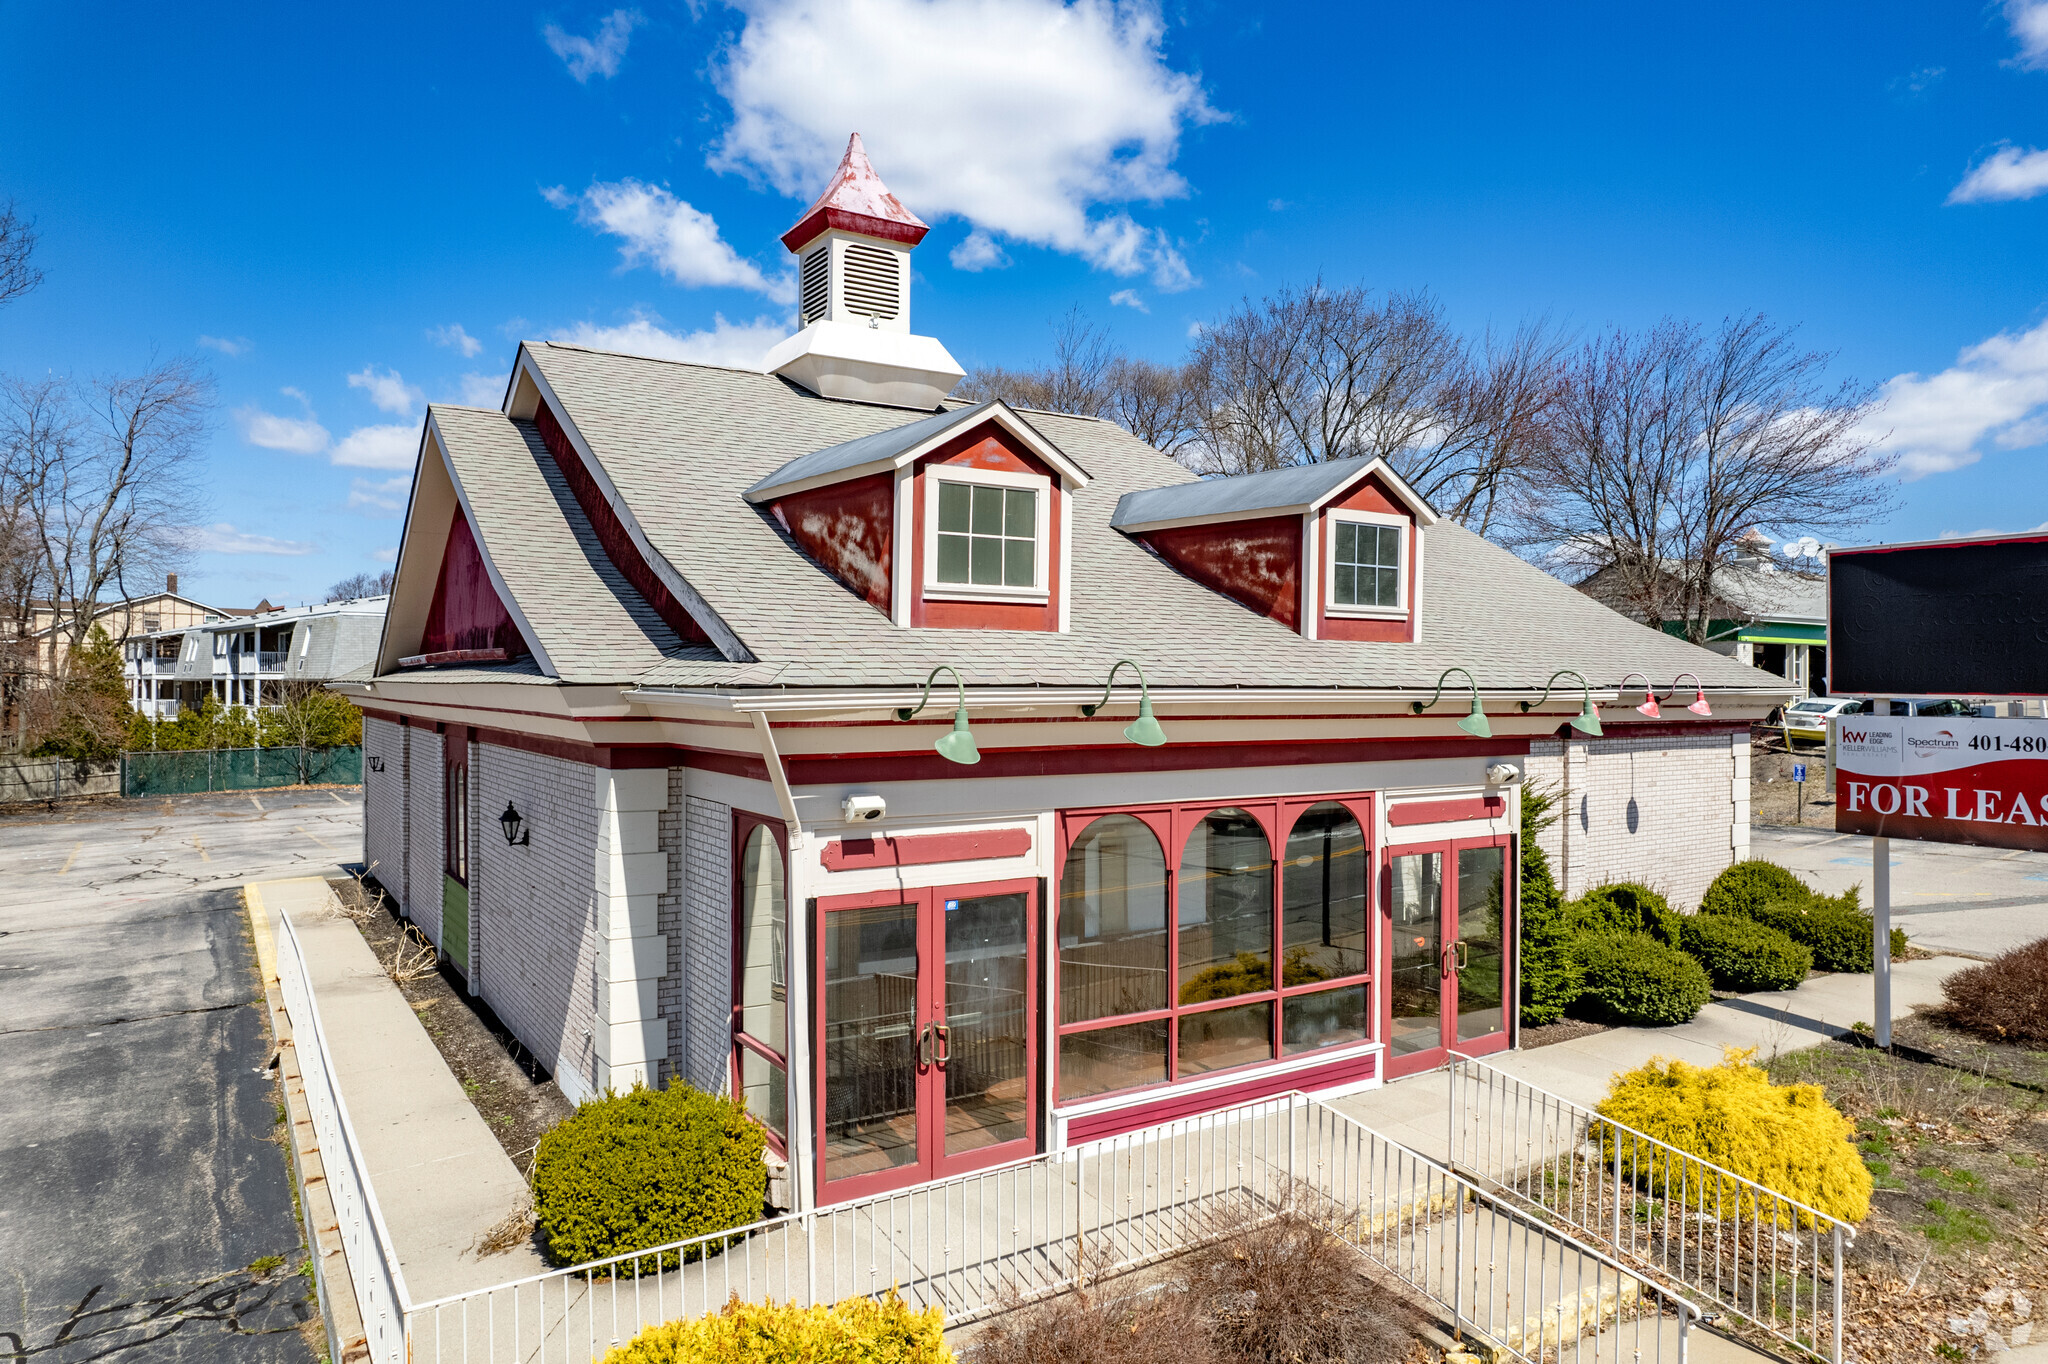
<point>874,282</point>
<point>816,283</point>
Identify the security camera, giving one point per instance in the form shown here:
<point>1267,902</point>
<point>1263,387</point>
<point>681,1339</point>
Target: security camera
<point>1503,774</point>
<point>864,809</point>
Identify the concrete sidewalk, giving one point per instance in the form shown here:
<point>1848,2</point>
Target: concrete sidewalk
<point>1416,1111</point>
<point>440,1177</point>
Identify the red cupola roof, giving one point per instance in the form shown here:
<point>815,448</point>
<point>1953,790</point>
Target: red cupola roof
<point>856,200</point>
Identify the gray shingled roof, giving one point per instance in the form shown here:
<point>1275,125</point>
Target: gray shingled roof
<point>683,443</point>
<point>1295,486</point>
<point>872,449</point>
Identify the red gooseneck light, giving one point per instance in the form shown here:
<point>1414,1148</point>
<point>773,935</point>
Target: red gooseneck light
<point>1699,704</point>
<point>1649,706</point>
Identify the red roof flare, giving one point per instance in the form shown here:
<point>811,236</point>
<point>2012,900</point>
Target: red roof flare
<point>856,200</point>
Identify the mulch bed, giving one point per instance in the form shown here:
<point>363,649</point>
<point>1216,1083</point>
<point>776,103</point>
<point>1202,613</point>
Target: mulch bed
<point>1564,1030</point>
<point>515,1096</point>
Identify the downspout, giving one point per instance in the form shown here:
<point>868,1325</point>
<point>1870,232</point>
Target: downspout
<point>778,775</point>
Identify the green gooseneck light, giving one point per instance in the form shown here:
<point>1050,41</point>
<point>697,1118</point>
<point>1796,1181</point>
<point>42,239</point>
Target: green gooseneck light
<point>957,746</point>
<point>1587,721</point>
<point>1474,724</point>
<point>1145,729</point>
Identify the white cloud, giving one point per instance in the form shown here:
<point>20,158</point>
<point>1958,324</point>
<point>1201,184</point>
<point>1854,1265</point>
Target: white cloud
<point>388,392</point>
<point>229,346</point>
<point>739,345</point>
<point>679,241</point>
<point>1128,298</point>
<point>599,54</point>
<point>2029,20</point>
<point>2007,173</point>
<point>387,555</point>
<point>978,251</point>
<point>379,447</point>
<point>379,498</point>
<point>223,538</point>
<point>1030,119</point>
<point>296,435</point>
<point>456,339</point>
<point>483,390</point>
<point>1996,393</point>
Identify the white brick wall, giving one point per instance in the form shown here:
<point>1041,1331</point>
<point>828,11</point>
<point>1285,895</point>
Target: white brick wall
<point>669,921</point>
<point>1670,812</point>
<point>384,803</point>
<point>533,908</point>
<point>707,962</point>
<point>426,852</point>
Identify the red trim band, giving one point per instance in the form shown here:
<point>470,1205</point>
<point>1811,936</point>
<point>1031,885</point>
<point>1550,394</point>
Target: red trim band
<point>919,850</point>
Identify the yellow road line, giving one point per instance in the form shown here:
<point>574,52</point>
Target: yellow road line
<point>73,858</point>
<point>203,857</point>
<point>259,806</point>
<point>315,837</point>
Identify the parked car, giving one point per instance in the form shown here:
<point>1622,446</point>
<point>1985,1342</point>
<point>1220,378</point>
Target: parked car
<point>1807,721</point>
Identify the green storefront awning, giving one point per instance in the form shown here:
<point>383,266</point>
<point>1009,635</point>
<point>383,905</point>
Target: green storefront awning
<point>1783,634</point>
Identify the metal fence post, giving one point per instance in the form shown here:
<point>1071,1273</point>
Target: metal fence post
<point>1837,1238</point>
<point>1615,1239</point>
<point>1458,1259</point>
<point>811,1254</point>
<point>1080,1265</point>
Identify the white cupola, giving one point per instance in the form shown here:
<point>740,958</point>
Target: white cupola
<point>853,297</point>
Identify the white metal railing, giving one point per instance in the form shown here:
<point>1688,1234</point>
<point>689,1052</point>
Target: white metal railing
<point>372,1261</point>
<point>975,1243</point>
<point>1743,1247</point>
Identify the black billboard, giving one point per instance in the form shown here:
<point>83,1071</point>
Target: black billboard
<point>1952,618</point>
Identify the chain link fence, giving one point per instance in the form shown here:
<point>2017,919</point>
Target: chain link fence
<point>193,771</point>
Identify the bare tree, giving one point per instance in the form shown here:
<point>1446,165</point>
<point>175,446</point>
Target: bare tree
<point>17,245</point>
<point>114,502</point>
<point>361,585</point>
<point>1672,444</point>
<point>1089,376</point>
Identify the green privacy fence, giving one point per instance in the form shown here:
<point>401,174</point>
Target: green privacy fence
<point>238,769</point>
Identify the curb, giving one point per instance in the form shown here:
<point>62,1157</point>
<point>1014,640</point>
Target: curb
<point>333,1281</point>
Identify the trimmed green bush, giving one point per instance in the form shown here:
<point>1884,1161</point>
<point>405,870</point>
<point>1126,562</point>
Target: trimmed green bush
<point>1625,907</point>
<point>1633,979</point>
<point>1748,886</point>
<point>646,1168</point>
<point>1788,1138</point>
<point>1742,954</point>
<point>856,1331</point>
<point>1842,936</point>
<point>1550,973</point>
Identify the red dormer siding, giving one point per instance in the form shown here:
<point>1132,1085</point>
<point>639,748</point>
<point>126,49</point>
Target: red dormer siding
<point>1369,496</point>
<point>849,528</point>
<point>467,613</point>
<point>985,447</point>
<point>1256,561</point>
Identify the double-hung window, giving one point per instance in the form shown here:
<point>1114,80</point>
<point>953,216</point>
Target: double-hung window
<point>986,534</point>
<point>1367,570</point>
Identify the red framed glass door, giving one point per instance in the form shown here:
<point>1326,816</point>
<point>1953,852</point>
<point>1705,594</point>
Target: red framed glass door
<point>927,1042</point>
<point>1450,939</point>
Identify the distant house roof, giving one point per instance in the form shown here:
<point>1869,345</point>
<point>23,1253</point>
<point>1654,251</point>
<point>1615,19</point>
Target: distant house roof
<point>1744,592</point>
<point>1297,487</point>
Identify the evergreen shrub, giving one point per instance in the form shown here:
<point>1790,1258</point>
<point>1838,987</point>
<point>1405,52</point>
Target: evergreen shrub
<point>1842,936</point>
<point>1788,1138</point>
<point>1748,886</point>
<point>1742,954</point>
<point>1550,972</point>
<point>2006,999</point>
<point>856,1331</point>
<point>646,1168</point>
<point>1632,979</point>
<point>1625,907</point>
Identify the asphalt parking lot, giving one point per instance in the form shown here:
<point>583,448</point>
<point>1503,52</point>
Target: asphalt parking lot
<point>145,1204</point>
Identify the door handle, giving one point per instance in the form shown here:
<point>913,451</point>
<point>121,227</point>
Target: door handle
<point>944,1051</point>
<point>1463,951</point>
<point>924,1046</point>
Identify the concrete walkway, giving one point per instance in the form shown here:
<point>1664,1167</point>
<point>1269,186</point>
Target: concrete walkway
<point>1415,1111</point>
<point>440,1177</point>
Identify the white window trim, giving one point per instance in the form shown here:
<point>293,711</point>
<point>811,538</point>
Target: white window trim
<point>1327,562</point>
<point>934,590</point>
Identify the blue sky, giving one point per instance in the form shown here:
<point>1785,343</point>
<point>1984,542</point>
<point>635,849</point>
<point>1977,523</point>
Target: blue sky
<point>352,210</point>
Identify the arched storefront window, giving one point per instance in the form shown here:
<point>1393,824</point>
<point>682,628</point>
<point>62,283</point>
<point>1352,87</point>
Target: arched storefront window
<point>1323,925</point>
<point>1113,957</point>
<point>1224,929</point>
<point>762,996</point>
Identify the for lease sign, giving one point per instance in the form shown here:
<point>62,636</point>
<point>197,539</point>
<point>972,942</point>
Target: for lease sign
<point>1949,779</point>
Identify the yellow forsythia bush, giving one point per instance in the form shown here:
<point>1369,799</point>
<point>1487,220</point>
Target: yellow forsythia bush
<point>856,1331</point>
<point>1788,1138</point>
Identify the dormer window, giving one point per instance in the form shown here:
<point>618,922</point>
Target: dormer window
<point>988,534</point>
<point>1366,569</point>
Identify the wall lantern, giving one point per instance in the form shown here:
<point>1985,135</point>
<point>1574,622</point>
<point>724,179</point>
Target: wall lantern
<point>1699,704</point>
<point>1145,729</point>
<point>1474,724</point>
<point>957,746</point>
<point>517,835</point>
<point>1587,721</point>
<point>1649,706</point>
